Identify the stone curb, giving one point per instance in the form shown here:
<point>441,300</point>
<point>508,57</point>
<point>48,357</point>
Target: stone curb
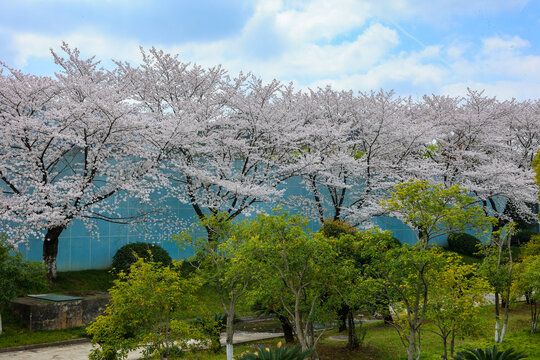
<point>45,345</point>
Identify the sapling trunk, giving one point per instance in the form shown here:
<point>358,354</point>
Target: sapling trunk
<point>445,346</point>
<point>230,331</point>
<point>534,315</point>
<point>452,343</point>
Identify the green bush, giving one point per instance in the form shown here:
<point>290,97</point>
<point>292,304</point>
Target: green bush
<point>213,328</point>
<point>17,276</point>
<point>489,354</point>
<point>335,228</point>
<point>143,314</point>
<point>464,244</point>
<point>277,353</point>
<point>125,256</point>
<point>523,236</point>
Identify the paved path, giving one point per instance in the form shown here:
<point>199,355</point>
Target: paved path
<point>81,351</point>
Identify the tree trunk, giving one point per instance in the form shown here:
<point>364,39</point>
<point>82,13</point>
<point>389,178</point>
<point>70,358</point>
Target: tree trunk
<point>445,353</point>
<point>311,341</point>
<point>452,343</point>
<point>534,316</point>
<point>230,332</point>
<point>353,342</point>
<point>0,322</point>
<point>287,329</point>
<point>497,318</point>
<point>386,313</point>
<point>342,313</point>
<point>50,250</point>
<point>412,344</point>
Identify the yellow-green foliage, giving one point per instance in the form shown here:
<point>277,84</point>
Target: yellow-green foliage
<point>527,280</point>
<point>455,300</point>
<point>536,168</point>
<point>142,312</point>
<point>433,210</point>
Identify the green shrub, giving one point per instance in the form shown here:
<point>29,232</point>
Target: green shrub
<point>142,313</point>
<point>125,256</point>
<point>523,236</point>
<point>213,327</point>
<point>464,244</point>
<point>335,228</point>
<point>489,354</point>
<point>278,353</point>
<point>17,276</point>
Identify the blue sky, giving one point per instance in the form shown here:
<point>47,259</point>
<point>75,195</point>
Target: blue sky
<point>413,46</point>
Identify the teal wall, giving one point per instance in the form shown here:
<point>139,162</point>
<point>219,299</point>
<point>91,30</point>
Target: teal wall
<point>79,249</point>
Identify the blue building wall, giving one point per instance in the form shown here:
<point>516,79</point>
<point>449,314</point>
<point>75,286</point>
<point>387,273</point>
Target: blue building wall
<point>79,249</point>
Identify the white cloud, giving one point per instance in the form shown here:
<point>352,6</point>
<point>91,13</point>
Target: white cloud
<point>322,19</point>
<point>339,43</point>
<point>90,43</point>
<point>503,45</point>
<point>411,69</point>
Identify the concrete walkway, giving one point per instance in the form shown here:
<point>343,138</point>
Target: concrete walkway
<point>81,351</point>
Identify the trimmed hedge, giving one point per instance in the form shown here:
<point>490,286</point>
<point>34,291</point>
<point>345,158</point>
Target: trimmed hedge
<point>124,257</point>
<point>464,244</point>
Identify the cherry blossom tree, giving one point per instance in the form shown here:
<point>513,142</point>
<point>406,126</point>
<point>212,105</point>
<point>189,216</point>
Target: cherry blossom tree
<point>226,138</point>
<point>486,146</point>
<point>358,147</point>
<point>70,147</point>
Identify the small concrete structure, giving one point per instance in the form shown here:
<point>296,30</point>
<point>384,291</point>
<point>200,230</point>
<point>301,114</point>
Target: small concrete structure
<point>44,312</point>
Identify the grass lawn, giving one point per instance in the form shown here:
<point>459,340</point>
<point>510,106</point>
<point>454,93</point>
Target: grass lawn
<point>81,282</point>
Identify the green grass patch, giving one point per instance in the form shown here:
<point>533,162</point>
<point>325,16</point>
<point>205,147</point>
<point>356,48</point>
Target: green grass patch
<point>81,282</point>
<point>15,336</point>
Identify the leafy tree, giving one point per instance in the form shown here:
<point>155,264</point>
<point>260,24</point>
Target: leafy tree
<point>527,280</point>
<point>497,268</point>
<point>142,313</point>
<point>300,268</point>
<point>222,265</point>
<point>536,167</point>
<point>454,306</point>
<point>432,210</point>
<point>408,275</point>
<point>17,277</point>
<point>357,293</point>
